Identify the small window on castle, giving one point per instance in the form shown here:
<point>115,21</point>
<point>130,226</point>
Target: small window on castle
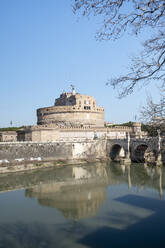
<point>89,102</point>
<point>84,101</point>
<point>87,107</point>
<point>79,102</point>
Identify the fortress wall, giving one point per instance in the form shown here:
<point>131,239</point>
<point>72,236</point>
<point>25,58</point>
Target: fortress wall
<point>28,136</point>
<point>71,135</point>
<point>115,129</point>
<point>90,150</point>
<point>29,150</point>
<point>84,117</point>
<point>117,134</point>
<point>120,128</point>
<point>89,133</point>
<point>48,135</point>
<point>48,151</point>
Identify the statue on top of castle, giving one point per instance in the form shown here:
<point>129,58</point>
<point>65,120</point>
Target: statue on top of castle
<point>73,89</point>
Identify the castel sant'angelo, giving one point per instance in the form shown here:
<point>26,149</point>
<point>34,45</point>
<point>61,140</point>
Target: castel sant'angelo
<point>73,117</point>
<point>72,110</point>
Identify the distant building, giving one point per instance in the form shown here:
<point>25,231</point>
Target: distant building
<point>109,124</point>
<point>8,136</point>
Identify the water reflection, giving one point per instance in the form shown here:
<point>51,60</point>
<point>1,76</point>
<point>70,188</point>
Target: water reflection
<point>82,178</point>
<point>77,197</point>
<point>93,205</point>
<point>155,171</point>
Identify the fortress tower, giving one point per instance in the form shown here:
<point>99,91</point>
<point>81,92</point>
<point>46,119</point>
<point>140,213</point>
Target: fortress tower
<point>72,110</point>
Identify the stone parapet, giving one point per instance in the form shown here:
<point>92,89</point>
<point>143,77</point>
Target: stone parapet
<point>107,129</point>
<point>125,128</point>
<point>55,109</point>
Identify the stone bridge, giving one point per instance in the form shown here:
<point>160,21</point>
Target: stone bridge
<point>149,150</point>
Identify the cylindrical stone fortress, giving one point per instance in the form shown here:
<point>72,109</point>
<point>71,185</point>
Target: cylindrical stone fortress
<point>72,110</point>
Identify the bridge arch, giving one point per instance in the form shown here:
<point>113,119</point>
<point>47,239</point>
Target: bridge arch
<point>139,153</point>
<point>143,153</point>
<point>117,152</point>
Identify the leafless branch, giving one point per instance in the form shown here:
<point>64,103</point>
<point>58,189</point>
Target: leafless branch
<point>154,113</point>
<point>119,16</point>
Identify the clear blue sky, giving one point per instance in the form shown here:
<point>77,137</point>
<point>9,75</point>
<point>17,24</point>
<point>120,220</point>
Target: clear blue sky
<point>44,47</point>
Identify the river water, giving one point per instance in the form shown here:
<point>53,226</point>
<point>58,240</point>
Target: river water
<point>89,205</point>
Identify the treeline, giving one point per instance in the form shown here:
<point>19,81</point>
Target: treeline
<point>126,124</point>
<point>153,130</point>
<point>10,128</point>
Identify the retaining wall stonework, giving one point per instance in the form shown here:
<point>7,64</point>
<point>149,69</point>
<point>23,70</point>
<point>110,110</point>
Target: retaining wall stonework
<point>29,151</point>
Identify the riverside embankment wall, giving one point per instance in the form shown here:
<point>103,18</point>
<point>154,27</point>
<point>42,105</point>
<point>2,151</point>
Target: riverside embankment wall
<point>29,151</point>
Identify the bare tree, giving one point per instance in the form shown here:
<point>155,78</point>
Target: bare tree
<point>154,113</point>
<point>119,16</point>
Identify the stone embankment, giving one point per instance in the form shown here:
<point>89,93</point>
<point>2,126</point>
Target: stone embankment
<point>15,156</point>
<point>18,156</point>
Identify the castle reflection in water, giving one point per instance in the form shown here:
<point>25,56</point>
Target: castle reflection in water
<point>77,197</point>
<point>79,191</point>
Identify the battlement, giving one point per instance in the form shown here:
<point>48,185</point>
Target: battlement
<point>119,128</point>
<point>55,109</point>
<point>78,128</point>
